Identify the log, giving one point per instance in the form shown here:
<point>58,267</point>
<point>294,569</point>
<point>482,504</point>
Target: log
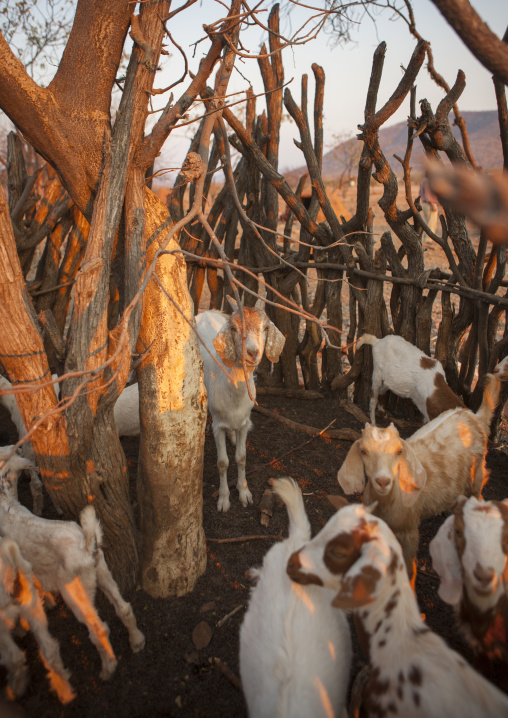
<point>342,434</point>
<point>351,408</point>
<point>289,393</point>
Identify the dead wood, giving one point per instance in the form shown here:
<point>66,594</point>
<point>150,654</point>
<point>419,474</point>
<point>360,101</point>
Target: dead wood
<point>341,434</point>
<point>265,507</point>
<point>228,673</point>
<point>289,393</point>
<point>359,415</point>
<point>240,539</point>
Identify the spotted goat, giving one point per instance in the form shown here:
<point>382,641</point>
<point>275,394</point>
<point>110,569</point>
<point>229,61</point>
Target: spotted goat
<point>425,475</point>
<point>228,397</point>
<point>470,554</point>
<point>401,367</point>
<point>295,649</point>
<point>412,672</point>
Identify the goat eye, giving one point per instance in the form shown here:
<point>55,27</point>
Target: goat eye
<point>458,533</point>
<point>363,452</point>
<point>337,553</point>
<point>399,452</point>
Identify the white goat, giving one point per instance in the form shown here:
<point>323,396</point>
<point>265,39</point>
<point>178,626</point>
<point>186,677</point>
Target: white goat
<point>404,369</point>
<point>19,600</point>
<point>423,476</point>
<point>67,558</point>
<point>295,649</point>
<point>469,552</point>
<point>412,670</point>
<point>228,399</point>
<point>126,413</point>
<point>501,369</point>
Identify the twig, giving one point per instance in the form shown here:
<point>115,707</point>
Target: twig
<point>51,289</point>
<point>226,671</point>
<point>290,451</point>
<point>222,621</point>
<point>241,539</point>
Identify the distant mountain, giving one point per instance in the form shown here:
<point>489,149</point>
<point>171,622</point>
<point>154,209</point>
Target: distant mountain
<point>483,130</point>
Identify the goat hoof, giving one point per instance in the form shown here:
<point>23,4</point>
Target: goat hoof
<point>18,680</point>
<point>245,498</point>
<point>108,670</point>
<point>223,503</point>
<point>137,642</point>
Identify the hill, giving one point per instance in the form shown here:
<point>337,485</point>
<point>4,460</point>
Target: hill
<point>483,129</point>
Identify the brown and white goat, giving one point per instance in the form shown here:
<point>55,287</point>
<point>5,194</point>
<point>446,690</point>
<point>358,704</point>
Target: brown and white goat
<point>401,367</point>
<point>470,554</point>
<point>423,476</point>
<point>229,402</point>
<point>412,670</point>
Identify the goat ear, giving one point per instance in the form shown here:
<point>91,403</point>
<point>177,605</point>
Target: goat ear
<point>351,475</point>
<point>275,341</point>
<point>502,507</point>
<point>446,562</point>
<point>412,476</point>
<point>362,582</point>
<point>225,346</point>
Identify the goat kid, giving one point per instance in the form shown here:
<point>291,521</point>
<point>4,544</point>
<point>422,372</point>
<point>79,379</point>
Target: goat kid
<point>68,559</point>
<point>228,398</point>
<point>19,600</point>
<point>401,367</point>
<point>469,552</point>
<point>423,476</point>
<point>412,670</point>
<point>295,649</point>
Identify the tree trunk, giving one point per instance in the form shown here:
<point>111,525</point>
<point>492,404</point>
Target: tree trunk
<point>173,410</point>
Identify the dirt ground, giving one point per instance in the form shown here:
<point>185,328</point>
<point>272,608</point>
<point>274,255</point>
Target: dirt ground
<point>170,677</point>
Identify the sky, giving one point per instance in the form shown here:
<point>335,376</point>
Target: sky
<point>347,68</point>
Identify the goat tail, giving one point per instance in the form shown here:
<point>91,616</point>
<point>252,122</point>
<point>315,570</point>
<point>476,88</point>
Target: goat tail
<point>490,400</point>
<point>92,528</point>
<point>369,339</point>
<point>289,492</point>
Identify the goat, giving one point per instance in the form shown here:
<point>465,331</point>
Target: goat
<point>68,559</point>
<point>404,369</point>
<point>423,476</point>
<point>469,552</point>
<point>501,369</point>
<point>19,600</point>
<point>412,670</point>
<point>295,649</point>
<point>126,413</point>
<point>228,398</point>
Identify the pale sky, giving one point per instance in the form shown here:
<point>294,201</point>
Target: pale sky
<point>347,68</point>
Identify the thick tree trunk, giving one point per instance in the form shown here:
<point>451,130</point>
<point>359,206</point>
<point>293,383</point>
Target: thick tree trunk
<point>173,410</point>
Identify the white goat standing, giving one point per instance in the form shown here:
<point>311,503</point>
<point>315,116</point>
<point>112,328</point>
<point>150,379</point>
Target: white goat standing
<point>228,399</point>
<point>401,367</point>
<point>470,554</point>
<point>295,649</point>
<point>68,559</point>
<point>412,670</point>
<point>423,476</point>
<point>19,600</point>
